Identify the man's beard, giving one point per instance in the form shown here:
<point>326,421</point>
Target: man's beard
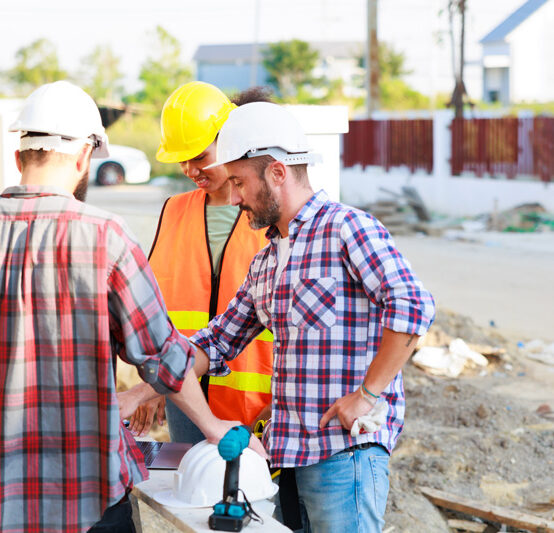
<point>81,189</point>
<point>267,211</point>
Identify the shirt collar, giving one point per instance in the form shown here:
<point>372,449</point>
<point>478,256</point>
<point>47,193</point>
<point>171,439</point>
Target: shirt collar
<point>32,191</point>
<point>308,211</point>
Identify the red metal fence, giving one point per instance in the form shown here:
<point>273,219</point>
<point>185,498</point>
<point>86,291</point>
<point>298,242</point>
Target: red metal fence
<point>542,141</point>
<point>511,146</point>
<point>389,143</point>
<point>507,146</point>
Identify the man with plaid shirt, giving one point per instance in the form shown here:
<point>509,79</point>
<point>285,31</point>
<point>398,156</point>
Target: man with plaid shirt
<point>345,310</point>
<point>76,289</point>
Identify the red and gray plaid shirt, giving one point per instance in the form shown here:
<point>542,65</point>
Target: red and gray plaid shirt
<point>343,283</point>
<point>75,288</point>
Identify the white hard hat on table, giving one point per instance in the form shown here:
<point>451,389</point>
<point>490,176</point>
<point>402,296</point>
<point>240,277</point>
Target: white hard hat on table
<point>262,128</point>
<point>66,115</point>
<point>199,479</point>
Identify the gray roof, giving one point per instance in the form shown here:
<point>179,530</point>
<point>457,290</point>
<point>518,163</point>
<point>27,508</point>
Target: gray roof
<point>227,53</point>
<point>513,21</point>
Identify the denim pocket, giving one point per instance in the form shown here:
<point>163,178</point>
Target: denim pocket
<point>313,303</point>
<point>380,471</point>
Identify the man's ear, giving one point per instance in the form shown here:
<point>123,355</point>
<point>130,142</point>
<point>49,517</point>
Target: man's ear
<point>277,172</point>
<point>83,158</point>
<point>17,160</point>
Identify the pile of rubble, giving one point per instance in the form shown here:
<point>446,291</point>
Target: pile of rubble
<point>406,213</point>
<point>470,444</point>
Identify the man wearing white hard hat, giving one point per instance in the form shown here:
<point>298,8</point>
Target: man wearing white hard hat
<point>345,310</point>
<point>76,291</point>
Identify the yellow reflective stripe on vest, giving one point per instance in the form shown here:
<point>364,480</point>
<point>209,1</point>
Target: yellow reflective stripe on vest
<point>189,319</point>
<point>199,319</point>
<point>265,336</point>
<point>244,381</point>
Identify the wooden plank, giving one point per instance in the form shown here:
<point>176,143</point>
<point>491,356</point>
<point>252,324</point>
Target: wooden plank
<point>488,512</point>
<point>466,525</point>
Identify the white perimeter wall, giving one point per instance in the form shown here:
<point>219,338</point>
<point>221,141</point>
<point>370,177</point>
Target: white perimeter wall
<point>442,193</point>
<point>460,196</point>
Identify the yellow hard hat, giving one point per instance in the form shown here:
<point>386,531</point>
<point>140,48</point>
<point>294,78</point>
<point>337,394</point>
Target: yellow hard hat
<point>191,119</point>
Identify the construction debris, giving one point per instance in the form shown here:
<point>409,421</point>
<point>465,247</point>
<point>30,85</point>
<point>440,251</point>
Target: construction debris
<point>403,213</point>
<point>476,436</point>
<point>449,361</point>
<point>490,513</point>
<point>539,351</point>
<point>466,525</point>
<point>522,218</point>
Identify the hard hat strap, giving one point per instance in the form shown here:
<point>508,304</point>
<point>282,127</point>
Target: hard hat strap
<point>55,143</point>
<point>287,158</point>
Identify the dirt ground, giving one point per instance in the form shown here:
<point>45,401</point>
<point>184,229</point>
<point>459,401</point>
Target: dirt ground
<point>477,436</point>
<point>503,278</point>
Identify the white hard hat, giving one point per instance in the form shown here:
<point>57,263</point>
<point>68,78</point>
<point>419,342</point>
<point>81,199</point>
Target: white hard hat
<point>199,479</point>
<point>66,115</point>
<point>262,128</point>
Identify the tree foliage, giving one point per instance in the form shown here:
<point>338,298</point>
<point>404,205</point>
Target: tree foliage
<point>162,72</point>
<point>36,64</point>
<point>290,65</point>
<point>394,92</point>
<point>101,76</point>
<point>392,63</point>
<point>397,95</point>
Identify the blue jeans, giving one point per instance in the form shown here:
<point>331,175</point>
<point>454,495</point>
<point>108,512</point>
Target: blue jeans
<point>181,427</point>
<point>346,493</point>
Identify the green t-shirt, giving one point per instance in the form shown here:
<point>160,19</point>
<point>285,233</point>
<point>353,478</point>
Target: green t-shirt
<point>220,220</point>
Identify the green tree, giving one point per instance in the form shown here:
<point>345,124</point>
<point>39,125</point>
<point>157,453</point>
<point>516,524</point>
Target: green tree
<point>395,93</point>
<point>391,62</point>
<point>290,65</point>
<point>162,72</point>
<point>101,77</point>
<point>36,64</point>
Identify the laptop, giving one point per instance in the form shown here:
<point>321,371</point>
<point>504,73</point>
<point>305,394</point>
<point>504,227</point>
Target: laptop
<point>162,455</point>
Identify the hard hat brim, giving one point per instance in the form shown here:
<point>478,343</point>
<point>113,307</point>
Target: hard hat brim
<point>166,497</point>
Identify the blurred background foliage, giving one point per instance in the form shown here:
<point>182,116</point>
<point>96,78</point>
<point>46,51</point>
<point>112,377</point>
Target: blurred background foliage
<point>291,66</point>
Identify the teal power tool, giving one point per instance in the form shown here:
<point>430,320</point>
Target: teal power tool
<point>230,514</point>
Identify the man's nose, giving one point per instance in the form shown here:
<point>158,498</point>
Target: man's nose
<point>236,198</point>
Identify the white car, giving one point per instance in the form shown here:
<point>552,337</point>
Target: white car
<point>123,165</point>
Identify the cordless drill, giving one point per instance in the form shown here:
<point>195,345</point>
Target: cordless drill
<point>230,514</point>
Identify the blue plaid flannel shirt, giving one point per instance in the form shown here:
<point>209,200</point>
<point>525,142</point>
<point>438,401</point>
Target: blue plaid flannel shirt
<point>343,283</point>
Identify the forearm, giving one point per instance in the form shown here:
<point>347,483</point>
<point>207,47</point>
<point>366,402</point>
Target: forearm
<point>393,353</point>
<point>144,392</point>
<point>130,400</point>
<point>201,362</point>
<point>190,399</point>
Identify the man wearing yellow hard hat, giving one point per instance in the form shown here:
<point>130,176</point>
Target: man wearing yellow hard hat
<point>201,254</point>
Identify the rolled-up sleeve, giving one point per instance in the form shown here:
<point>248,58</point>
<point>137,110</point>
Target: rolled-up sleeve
<point>387,277</point>
<point>139,322</point>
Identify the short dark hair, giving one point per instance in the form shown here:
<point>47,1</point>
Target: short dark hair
<point>34,157</point>
<point>260,93</point>
<point>300,172</point>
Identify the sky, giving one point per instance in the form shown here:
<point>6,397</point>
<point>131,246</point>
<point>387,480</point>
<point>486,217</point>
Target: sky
<point>413,27</point>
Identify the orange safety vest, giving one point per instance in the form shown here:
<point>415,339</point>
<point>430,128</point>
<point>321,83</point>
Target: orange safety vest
<point>181,261</point>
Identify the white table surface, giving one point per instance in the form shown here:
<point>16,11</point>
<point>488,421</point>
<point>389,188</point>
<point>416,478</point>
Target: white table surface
<point>192,520</point>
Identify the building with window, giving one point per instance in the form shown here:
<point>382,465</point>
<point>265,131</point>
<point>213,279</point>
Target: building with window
<point>235,67</point>
<point>517,56</point>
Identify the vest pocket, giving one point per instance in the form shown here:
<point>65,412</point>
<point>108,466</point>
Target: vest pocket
<point>313,303</point>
